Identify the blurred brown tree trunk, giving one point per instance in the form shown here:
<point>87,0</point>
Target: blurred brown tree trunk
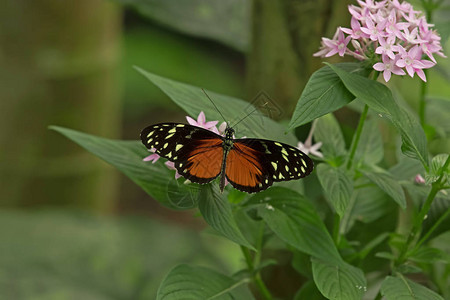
<point>285,34</point>
<point>58,65</point>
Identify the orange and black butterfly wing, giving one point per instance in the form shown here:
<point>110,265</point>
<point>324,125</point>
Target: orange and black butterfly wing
<point>196,152</point>
<point>254,165</point>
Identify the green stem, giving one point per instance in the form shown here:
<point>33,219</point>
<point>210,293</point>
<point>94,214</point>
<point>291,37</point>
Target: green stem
<point>252,265</point>
<point>357,136</point>
<point>422,103</point>
<point>435,188</point>
<point>336,229</point>
<point>433,228</point>
<point>417,223</point>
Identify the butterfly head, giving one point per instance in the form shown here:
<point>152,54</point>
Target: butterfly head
<point>229,133</point>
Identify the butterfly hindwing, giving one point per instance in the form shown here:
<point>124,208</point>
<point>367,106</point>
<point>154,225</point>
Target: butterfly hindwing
<point>196,152</point>
<point>254,164</point>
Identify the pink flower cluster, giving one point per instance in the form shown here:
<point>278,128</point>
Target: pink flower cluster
<point>400,36</point>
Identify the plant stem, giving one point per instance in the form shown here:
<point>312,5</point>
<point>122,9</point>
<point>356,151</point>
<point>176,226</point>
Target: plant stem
<point>252,265</point>
<point>433,228</point>
<point>357,136</point>
<point>417,223</point>
<point>435,188</point>
<point>336,229</point>
<point>422,103</point>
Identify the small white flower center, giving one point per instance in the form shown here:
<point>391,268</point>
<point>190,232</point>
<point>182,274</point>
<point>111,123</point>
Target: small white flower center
<point>408,61</point>
<point>340,46</point>
<point>388,67</point>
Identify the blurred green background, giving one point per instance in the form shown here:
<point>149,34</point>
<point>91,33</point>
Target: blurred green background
<point>72,227</point>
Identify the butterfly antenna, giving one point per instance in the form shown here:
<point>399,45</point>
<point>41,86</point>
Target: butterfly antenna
<point>214,104</point>
<point>248,115</point>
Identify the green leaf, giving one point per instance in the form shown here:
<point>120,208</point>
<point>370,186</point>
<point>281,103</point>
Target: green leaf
<point>186,282</point>
<point>395,288</point>
<point>437,163</point>
<point>295,221</point>
<point>388,184</point>
<point>329,133</point>
<point>192,100</point>
<point>379,98</point>
<point>201,18</point>
<point>155,179</point>
<point>370,147</point>
<point>337,184</point>
<point>338,282</point>
<point>324,93</point>
<point>369,205</point>
<point>216,211</point>
<point>428,255</point>
<point>309,291</point>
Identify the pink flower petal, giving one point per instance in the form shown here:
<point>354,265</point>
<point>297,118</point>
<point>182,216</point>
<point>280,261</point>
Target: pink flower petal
<point>379,66</point>
<point>191,121</point>
<point>410,70</point>
<point>201,118</point>
<point>387,75</point>
<point>153,157</point>
<point>421,74</point>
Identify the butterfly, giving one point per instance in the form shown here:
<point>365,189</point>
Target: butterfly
<point>250,165</point>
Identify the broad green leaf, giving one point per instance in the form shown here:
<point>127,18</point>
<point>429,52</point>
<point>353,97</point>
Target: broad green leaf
<point>192,100</point>
<point>155,179</point>
<point>406,169</point>
<point>400,288</point>
<point>186,282</point>
<point>370,146</point>
<point>324,93</point>
<point>388,184</point>
<point>337,184</point>
<point>437,163</point>
<point>379,98</point>
<point>216,210</point>
<point>309,291</point>
<point>225,21</point>
<point>295,221</point>
<point>428,255</point>
<point>369,205</point>
<point>338,282</point>
<point>329,133</point>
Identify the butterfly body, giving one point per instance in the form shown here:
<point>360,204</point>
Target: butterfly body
<point>250,165</point>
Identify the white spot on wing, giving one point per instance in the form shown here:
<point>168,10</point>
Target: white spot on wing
<point>274,165</point>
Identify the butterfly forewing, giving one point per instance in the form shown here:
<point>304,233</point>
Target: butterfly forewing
<point>196,152</point>
<point>254,164</point>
